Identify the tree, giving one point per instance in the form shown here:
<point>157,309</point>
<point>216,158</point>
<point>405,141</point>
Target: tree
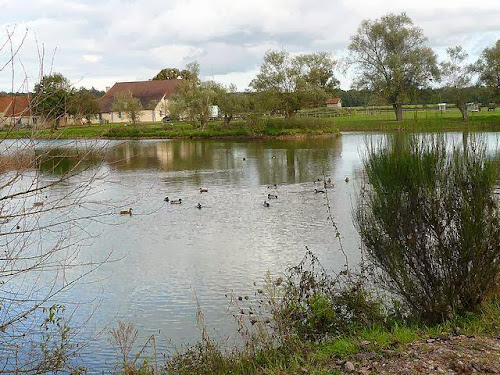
<point>82,104</point>
<point>457,77</point>
<point>51,96</point>
<point>287,84</point>
<point>174,73</point>
<point>488,67</point>
<point>125,102</point>
<point>392,59</point>
<point>316,69</point>
<point>429,220</point>
<point>230,102</point>
<point>194,100</point>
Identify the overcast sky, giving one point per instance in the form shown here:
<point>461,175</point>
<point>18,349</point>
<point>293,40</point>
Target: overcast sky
<point>98,42</point>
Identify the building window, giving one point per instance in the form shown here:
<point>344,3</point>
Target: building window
<point>119,115</point>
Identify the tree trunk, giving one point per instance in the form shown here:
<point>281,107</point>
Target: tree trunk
<point>398,110</point>
<point>203,122</point>
<point>227,119</point>
<point>464,112</point>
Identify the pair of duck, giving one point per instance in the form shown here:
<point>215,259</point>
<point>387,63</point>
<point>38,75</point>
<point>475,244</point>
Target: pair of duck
<point>173,201</point>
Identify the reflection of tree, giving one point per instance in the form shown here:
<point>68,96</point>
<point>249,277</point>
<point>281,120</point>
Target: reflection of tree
<point>59,161</point>
<point>297,160</point>
<point>302,160</point>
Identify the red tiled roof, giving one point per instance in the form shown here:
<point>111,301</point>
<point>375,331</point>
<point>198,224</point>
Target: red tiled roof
<point>145,91</point>
<point>14,106</point>
<point>333,101</point>
<point>5,103</point>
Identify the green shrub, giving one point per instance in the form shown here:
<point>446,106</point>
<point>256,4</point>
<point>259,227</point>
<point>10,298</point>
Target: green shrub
<point>318,304</point>
<point>428,218</point>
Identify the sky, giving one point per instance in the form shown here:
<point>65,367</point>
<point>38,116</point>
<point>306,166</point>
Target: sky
<point>98,42</point>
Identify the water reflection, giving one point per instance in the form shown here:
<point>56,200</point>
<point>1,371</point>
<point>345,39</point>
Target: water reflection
<point>271,160</point>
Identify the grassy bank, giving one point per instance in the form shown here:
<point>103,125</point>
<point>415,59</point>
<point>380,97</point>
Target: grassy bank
<point>237,128</point>
<point>418,120</point>
<point>466,342</point>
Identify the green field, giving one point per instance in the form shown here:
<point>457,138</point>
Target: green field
<point>359,120</point>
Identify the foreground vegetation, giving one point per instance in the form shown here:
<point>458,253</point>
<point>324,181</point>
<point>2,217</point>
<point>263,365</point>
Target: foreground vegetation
<point>274,345</point>
<point>306,123</point>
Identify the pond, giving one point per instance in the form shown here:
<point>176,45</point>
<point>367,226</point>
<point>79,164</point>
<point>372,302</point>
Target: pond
<point>166,258</point>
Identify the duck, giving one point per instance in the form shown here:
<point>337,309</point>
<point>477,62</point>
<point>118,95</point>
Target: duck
<point>167,199</point>
<point>176,201</point>
<point>198,206</point>
<point>272,196</point>
<point>346,180</point>
<point>203,190</point>
<point>319,191</point>
<point>244,159</point>
<point>328,185</point>
<point>126,212</point>
<point>272,186</point>
<point>266,204</point>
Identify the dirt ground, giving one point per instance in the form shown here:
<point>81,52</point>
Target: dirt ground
<point>443,355</point>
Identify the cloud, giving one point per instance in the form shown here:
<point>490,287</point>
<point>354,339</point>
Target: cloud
<point>92,58</point>
<point>100,42</point>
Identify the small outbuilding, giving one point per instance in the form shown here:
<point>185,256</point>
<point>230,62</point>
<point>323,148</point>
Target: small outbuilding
<point>441,106</point>
<point>334,103</point>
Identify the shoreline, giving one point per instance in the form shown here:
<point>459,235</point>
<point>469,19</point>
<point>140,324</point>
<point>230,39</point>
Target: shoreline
<point>268,128</point>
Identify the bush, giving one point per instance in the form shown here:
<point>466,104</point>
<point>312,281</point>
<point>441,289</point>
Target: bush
<point>428,218</point>
<point>317,304</point>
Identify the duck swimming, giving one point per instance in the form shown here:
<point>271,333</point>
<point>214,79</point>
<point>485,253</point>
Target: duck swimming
<point>176,201</point>
<point>272,196</point>
<point>198,206</point>
<point>266,204</point>
<point>272,186</point>
<point>319,191</point>
<point>203,190</point>
<point>126,212</point>
<point>166,199</point>
<point>346,179</point>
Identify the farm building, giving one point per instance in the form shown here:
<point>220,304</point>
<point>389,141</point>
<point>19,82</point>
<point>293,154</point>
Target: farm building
<point>334,103</point>
<point>153,96</point>
<point>16,111</point>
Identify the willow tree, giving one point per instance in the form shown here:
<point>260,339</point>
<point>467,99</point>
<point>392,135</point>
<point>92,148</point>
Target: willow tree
<point>125,102</point>
<point>392,59</point>
<point>193,99</point>
<point>457,75</point>
<point>489,68</point>
<point>286,84</point>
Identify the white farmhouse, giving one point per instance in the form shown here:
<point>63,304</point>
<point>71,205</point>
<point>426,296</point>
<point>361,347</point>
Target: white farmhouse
<point>152,94</point>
